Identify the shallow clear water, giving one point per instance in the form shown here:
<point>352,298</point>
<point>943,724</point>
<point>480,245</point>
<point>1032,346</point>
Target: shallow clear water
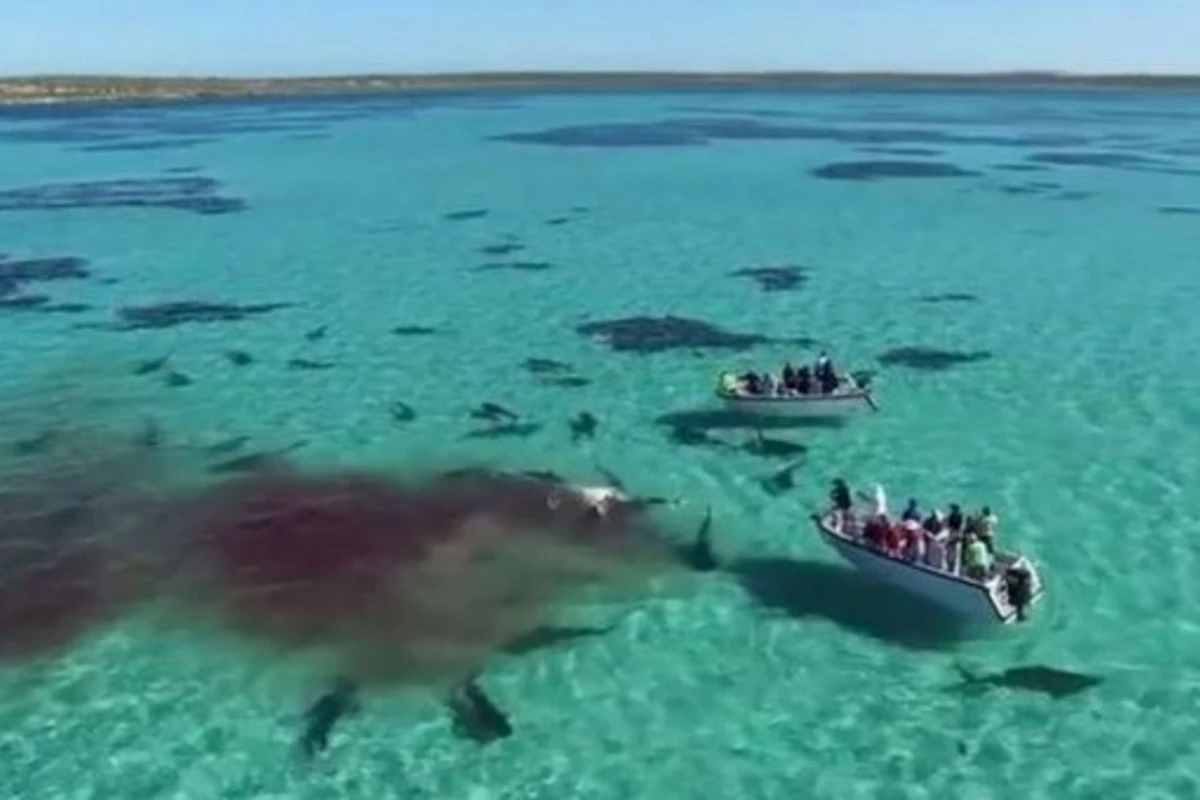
<point>1082,427</point>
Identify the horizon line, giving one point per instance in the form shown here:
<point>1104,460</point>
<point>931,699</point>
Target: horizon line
<point>613,73</point>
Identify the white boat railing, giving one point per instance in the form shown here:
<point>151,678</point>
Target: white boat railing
<point>993,586</point>
<point>849,394</point>
<point>824,521</point>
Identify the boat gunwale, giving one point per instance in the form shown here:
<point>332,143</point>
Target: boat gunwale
<point>978,586</point>
<point>854,394</point>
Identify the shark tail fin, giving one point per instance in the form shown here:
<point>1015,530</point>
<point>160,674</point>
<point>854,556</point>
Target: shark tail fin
<point>966,673</point>
<point>971,681</point>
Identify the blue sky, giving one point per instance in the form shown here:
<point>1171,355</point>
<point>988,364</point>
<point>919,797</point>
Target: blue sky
<point>288,37</point>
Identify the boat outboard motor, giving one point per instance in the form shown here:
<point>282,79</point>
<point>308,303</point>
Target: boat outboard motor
<point>1019,584</point>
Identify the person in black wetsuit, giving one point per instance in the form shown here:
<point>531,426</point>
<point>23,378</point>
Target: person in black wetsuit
<point>954,519</point>
<point>804,380</point>
<point>789,377</point>
<point>840,496</point>
<point>828,378</point>
<point>911,512</point>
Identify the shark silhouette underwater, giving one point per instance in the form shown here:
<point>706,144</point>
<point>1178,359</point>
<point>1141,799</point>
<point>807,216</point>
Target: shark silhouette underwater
<point>1052,682</point>
<point>473,713</point>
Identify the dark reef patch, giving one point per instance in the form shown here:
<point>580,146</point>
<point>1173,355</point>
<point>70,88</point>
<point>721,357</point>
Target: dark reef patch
<point>501,249</point>
<point>774,279</point>
<point>915,152</point>
<point>414,330</point>
<point>876,170</point>
<point>23,302</point>
<point>930,359</point>
<point>168,315</point>
<point>1076,159</point>
<point>1182,150</point>
<point>1021,167</point>
<point>515,266</point>
<point>195,194</point>
<point>41,304</point>
<point>16,275</point>
<point>1036,188</point>
<point>1180,211</point>
<point>465,214</point>
<point>1073,194</point>
<point>148,144</point>
<point>1017,190</point>
<point>949,297</point>
<point>699,131</point>
<point>763,113</point>
<point>1122,161</point>
<point>135,122</point>
<point>644,335</point>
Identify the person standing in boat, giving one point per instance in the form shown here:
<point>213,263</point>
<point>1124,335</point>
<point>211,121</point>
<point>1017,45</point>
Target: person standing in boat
<point>977,560</point>
<point>875,532</point>
<point>954,519</point>
<point>804,380</point>
<point>935,550</point>
<point>914,541</point>
<point>820,364</point>
<point>985,527</point>
<point>911,512</point>
<point>840,497</point>
<point>879,505</point>
<point>825,374</point>
<point>935,527</point>
<point>789,376</point>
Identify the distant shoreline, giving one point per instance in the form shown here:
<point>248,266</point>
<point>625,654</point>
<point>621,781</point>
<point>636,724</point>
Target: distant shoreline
<point>116,88</point>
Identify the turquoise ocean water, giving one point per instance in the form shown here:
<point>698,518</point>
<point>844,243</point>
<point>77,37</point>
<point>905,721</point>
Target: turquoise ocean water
<point>1066,394</point>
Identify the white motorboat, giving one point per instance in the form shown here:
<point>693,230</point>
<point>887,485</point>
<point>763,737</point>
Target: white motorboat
<point>849,397</point>
<point>1004,597</point>
<point>841,403</point>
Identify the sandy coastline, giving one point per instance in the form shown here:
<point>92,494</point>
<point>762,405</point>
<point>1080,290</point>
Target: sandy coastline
<point>79,89</point>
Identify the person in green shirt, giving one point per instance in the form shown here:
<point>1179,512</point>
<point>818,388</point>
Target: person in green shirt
<point>977,559</point>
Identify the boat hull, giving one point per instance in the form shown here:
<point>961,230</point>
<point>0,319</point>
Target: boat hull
<point>977,603</point>
<point>840,405</point>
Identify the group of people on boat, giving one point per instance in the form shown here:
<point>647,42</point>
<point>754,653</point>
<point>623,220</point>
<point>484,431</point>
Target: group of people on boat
<point>821,377</point>
<point>951,541</point>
